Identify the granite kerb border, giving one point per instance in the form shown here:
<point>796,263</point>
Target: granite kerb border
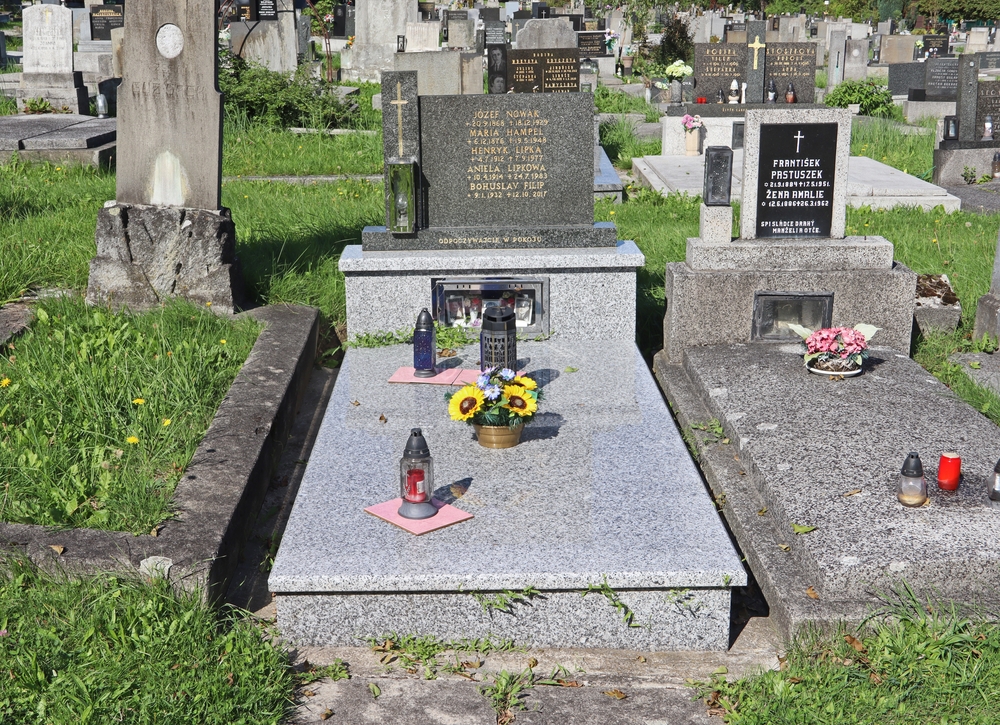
<point>217,499</point>
<point>781,577</point>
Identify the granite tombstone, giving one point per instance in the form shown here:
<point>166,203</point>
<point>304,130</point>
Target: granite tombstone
<point>941,79</point>
<point>717,65</point>
<point>793,63</point>
<point>104,19</point>
<point>48,60</point>
<point>543,71</point>
<point>591,45</point>
<point>935,46</point>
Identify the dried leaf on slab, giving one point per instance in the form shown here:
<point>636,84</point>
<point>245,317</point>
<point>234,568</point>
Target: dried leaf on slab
<point>854,642</point>
<point>374,689</point>
<point>58,549</point>
<point>811,593</point>
<point>852,492</point>
<point>762,511</point>
<point>383,419</point>
<point>447,352</point>
<point>355,402</point>
<point>784,547</point>
<point>802,528</point>
<point>326,715</point>
<point>617,694</point>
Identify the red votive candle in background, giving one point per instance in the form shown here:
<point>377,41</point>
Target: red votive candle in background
<point>414,477</point>
<point>949,471</point>
<point>701,99</point>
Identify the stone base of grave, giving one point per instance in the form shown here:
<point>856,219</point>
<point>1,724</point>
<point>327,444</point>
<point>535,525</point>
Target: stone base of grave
<point>147,254</point>
<point>600,489</point>
<point>794,460</point>
<point>591,291</point>
<point>716,306</point>
<point>62,90</point>
<point>950,164</point>
<point>987,316</point>
<point>914,111</point>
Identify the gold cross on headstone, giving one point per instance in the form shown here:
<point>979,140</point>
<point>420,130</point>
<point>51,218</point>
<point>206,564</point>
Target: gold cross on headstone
<point>756,45</point>
<point>399,103</point>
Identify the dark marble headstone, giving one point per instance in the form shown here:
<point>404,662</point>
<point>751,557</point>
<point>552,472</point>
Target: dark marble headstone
<point>756,60</point>
<point>554,70</point>
<point>716,65</point>
<point>968,96</point>
<point>796,165</point>
<point>496,33</point>
<point>400,128</point>
<point>339,21</point>
<point>503,171</point>
<point>591,45</point>
<point>496,68</point>
<point>988,104</point>
<point>104,19</point>
<point>792,63</point>
<point>267,10</point>
<point>935,46</point>
<point>941,79</point>
<point>450,15</point>
<point>489,15</point>
<point>989,61</point>
<point>904,76</point>
<point>522,15</point>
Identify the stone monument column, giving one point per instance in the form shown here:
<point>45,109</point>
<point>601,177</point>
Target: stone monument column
<point>166,234</point>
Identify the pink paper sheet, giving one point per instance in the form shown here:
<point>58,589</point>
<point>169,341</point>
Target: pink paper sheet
<point>446,516</point>
<point>444,377</point>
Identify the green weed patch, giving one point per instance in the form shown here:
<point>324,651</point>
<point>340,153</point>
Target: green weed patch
<point>100,413</point>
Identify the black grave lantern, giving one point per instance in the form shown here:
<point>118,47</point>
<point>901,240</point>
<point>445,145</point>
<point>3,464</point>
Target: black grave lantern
<point>498,339</point>
<point>951,128</point>
<point>718,184</point>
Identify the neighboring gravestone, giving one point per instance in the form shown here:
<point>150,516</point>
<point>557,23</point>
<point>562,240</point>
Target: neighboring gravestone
<point>461,33</point>
<point>104,19</point>
<point>591,45</point>
<point>897,49</point>
<point>989,61</point>
<point>987,104</point>
<point>856,60</point>
<point>716,66</point>
<point>836,57</point>
<point>497,172</point>
<point>968,97</point>
<point>48,60</point>
<point>496,58</point>
<point>3,50</point>
<point>793,63</point>
<point>166,234</point>
<point>941,79</point>
<point>443,73</point>
<point>543,71</point>
<point>548,33</point>
<point>904,76</point>
<point>935,46</point>
<point>377,25</point>
<point>423,36</point>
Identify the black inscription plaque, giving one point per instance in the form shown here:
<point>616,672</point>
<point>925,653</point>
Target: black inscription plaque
<point>987,104</point>
<point>544,71</point>
<point>935,46</point>
<point>989,60</point>
<point>796,167</point>
<point>268,10</point>
<point>496,33</point>
<point>591,45</point>
<point>104,18</point>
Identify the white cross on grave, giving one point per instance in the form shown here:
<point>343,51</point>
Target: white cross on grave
<point>798,139</point>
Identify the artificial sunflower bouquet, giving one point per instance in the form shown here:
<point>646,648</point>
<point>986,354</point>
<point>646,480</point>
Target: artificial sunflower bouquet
<point>499,397</point>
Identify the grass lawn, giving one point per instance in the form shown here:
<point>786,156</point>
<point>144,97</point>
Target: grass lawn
<point>100,413</point>
<point>106,649</point>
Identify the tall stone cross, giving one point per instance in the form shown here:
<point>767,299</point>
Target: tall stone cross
<point>756,45</point>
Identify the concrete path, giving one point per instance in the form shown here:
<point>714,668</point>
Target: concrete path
<point>978,198</point>
<point>869,182</point>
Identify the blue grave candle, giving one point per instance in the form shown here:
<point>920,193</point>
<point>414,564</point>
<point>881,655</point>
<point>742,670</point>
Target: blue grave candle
<point>424,346</point>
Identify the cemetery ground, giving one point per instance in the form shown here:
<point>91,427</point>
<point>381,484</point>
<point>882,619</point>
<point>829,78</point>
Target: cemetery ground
<point>106,647</point>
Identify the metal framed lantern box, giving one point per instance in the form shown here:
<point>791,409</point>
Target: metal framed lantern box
<point>461,301</point>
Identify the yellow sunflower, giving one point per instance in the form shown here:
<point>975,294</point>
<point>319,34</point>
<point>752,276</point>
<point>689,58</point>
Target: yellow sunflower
<point>525,382</point>
<point>519,401</point>
<point>466,403</point>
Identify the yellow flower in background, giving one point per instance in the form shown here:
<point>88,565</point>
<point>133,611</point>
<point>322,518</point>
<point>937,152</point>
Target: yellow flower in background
<point>166,422</point>
<point>222,342</point>
<point>466,403</point>
<point>132,440</point>
<point>4,383</point>
<point>519,400</point>
<point>525,382</point>
<point>139,401</point>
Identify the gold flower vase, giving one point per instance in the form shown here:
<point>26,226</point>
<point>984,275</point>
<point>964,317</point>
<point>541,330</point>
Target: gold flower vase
<point>498,436</point>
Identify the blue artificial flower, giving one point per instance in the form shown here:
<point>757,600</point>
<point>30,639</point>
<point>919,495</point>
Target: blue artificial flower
<point>483,380</point>
<point>492,392</point>
<point>507,374</point>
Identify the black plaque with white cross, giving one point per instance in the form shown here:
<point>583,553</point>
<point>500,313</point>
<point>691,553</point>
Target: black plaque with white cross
<point>795,177</point>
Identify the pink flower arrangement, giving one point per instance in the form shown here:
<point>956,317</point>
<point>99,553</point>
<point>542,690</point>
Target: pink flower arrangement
<point>691,122</point>
<point>840,347</point>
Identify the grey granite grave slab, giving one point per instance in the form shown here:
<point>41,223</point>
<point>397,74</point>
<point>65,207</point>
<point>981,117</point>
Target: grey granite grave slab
<point>592,291</point>
<point>803,254</point>
<point>592,492</point>
<point>14,130</point>
<point>756,57</point>
<point>87,134</point>
<point>968,99</point>
<point>798,462</point>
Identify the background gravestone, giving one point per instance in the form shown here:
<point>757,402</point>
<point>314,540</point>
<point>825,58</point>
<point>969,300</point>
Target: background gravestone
<point>543,71</point>
<point>941,79</point>
<point>856,60</point>
<point>48,60</point>
<point>793,63</point>
<point>756,60</point>
<point>717,65</point>
<point>837,59</point>
<point>548,33</point>
<point>166,233</point>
